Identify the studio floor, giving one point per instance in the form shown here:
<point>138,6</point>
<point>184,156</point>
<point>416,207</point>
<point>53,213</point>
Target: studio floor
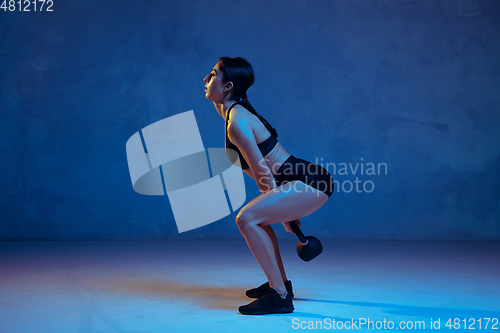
<point>197,286</point>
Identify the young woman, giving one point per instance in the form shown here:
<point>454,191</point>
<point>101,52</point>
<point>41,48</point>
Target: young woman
<point>291,188</point>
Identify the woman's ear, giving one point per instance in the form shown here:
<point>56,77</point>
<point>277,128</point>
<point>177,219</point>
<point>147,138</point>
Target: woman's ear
<point>228,86</point>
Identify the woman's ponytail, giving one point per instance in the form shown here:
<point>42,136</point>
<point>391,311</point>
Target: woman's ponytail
<point>246,104</point>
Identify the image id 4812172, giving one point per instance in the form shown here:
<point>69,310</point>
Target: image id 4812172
<point>27,6</point>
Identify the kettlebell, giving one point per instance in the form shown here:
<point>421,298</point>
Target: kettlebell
<point>308,247</point>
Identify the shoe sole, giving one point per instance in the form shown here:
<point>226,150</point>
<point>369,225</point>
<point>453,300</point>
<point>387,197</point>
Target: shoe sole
<point>257,296</point>
<point>286,309</point>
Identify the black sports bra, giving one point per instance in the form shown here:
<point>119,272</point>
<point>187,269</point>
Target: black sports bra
<point>265,146</point>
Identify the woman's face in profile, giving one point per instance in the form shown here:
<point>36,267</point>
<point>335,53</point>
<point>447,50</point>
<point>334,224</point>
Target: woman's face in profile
<point>214,87</point>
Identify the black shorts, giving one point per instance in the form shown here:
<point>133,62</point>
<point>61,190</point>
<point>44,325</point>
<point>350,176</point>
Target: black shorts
<point>309,173</point>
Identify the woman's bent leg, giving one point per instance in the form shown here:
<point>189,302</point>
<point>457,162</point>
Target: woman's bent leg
<point>276,206</point>
<point>274,240</point>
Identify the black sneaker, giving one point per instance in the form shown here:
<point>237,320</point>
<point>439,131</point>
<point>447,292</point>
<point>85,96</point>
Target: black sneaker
<point>264,288</point>
<point>269,303</point>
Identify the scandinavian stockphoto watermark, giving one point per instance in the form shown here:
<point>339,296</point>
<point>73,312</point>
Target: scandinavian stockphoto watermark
<point>204,185</point>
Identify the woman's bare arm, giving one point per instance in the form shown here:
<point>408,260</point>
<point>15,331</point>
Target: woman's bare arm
<point>241,134</point>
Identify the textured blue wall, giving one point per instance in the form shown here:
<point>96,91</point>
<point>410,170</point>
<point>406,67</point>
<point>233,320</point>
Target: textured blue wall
<point>412,84</point>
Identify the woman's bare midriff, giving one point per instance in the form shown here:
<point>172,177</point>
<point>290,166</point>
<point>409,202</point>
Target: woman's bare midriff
<point>274,159</point>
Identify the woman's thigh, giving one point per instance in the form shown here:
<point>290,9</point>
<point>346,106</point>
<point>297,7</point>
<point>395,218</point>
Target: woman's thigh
<point>284,203</point>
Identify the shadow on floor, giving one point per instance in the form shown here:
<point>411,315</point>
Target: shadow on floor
<point>229,298</point>
<point>415,311</point>
<point>223,297</point>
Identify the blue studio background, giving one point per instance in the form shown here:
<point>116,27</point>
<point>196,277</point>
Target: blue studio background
<point>410,85</point>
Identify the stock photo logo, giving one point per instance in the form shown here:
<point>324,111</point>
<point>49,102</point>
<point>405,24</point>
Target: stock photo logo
<point>168,158</point>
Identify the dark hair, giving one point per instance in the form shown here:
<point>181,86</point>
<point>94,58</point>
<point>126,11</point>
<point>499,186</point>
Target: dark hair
<point>240,73</point>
